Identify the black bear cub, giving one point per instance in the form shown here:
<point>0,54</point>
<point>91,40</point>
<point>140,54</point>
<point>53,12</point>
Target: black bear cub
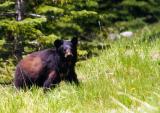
<point>48,67</point>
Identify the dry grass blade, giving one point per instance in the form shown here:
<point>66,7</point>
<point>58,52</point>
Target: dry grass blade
<point>140,101</point>
<point>121,105</point>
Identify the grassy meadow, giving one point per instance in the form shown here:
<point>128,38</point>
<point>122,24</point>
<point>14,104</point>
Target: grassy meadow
<point>123,78</point>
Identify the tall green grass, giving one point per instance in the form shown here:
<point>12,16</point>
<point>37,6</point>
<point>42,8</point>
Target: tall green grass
<point>124,78</point>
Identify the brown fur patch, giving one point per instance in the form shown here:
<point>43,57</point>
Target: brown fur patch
<point>32,65</point>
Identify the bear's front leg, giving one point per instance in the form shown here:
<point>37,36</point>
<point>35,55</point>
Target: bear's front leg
<point>72,77</point>
<point>52,79</point>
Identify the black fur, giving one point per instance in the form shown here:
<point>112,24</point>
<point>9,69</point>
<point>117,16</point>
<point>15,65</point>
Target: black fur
<point>48,67</point>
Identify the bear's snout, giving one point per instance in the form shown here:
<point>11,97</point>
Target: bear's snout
<point>68,54</point>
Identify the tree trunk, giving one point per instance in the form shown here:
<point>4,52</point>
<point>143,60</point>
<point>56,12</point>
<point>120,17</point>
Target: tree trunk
<point>20,9</point>
<point>18,46</point>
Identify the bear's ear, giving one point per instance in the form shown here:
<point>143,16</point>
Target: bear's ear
<point>58,43</point>
<point>74,41</point>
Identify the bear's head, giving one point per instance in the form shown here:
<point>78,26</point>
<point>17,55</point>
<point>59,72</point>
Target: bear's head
<point>66,48</point>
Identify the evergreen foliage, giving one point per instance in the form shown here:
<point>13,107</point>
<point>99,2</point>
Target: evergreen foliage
<point>47,20</point>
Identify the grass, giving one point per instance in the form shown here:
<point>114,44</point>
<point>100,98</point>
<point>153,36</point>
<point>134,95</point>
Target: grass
<point>122,79</point>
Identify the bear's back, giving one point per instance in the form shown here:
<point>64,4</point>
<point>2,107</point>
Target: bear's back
<point>34,64</point>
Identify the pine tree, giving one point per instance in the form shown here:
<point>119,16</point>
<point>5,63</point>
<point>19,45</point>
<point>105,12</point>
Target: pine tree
<point>43,21</point>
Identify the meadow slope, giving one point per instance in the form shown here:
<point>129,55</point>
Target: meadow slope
<point>124,78</point>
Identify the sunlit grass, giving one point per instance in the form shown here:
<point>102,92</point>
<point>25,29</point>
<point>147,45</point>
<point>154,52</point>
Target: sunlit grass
<point>123,79</point>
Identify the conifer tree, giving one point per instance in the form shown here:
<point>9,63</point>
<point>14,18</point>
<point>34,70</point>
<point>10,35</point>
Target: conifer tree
<point>43,21</point>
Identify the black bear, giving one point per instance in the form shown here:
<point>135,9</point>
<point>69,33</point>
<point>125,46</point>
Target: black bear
<point>48,67</point>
